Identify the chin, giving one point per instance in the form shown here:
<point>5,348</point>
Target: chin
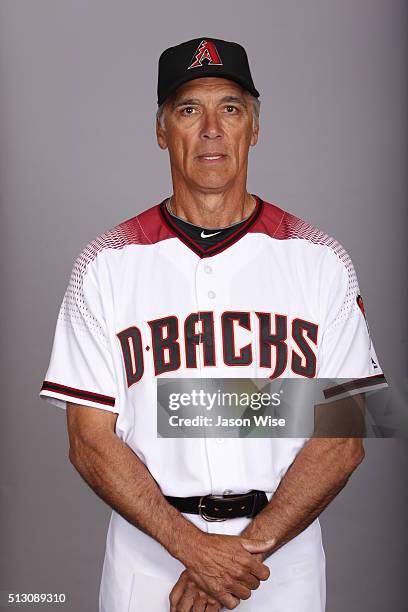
<point>212,183</point>
<point>212,187</point>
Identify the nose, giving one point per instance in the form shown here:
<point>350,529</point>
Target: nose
<point>211,128</point>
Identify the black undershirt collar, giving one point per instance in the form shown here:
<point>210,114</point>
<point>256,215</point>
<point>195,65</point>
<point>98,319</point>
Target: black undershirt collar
<point>204,236</point>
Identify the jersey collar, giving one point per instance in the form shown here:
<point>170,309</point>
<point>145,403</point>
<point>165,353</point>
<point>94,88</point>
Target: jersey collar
<point>217,248</point>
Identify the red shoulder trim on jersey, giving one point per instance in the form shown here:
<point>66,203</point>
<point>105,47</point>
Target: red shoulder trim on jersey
<point>269,221</point>
<point>283,225</point>
<point>151,224</point>
<point>145,228</point>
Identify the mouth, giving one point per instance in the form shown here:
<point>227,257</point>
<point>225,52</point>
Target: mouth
<point>211,157</point>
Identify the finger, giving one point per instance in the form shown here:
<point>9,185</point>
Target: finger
<point>258,546</point>
<point>248,569</point>
<point>177,592</point>
<point>200,602</point>
<point>240,590</point>
<point>191,591</point>
<point>249,580</point>
<point>213,607</point>
<point>228,600</point>
<point>221,595</point>
<point>212,601</point>
<point>186,602</point>
<point>247,573</point>
<point>258,569</point>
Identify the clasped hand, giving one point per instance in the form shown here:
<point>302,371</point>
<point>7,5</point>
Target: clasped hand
<point>220,571</point>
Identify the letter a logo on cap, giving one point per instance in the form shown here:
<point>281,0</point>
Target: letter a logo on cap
<point>206,51</point>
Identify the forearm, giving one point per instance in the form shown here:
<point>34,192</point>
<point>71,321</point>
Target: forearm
<point>318,474</point>
<point>121,479</point>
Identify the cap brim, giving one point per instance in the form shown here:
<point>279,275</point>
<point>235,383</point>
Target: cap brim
<point>215,72</point>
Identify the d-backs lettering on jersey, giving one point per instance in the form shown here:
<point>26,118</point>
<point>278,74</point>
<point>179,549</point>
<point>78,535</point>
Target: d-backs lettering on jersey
<point>167,333</point>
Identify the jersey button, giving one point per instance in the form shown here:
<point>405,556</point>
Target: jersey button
<point>211,294</point>
<point>208,269</point>
<point>219,440</point>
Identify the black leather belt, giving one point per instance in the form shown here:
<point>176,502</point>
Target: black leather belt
<point>221,507</point>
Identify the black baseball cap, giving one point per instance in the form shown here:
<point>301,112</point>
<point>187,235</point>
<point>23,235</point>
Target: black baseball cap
<point>203,57</point>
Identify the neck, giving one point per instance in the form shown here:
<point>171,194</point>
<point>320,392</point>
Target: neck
<point>212,210</point>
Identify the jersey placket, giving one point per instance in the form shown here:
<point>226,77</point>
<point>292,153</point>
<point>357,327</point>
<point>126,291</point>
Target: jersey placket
<point>212,296</point>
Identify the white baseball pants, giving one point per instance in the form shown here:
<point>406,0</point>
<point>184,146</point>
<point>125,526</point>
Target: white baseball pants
<point>138,573</point>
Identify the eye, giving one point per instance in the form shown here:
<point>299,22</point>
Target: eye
<point>188,110</point>
<point>231,109</point>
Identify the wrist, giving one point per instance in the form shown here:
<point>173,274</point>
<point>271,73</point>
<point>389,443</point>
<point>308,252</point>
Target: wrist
<point>186,542</point>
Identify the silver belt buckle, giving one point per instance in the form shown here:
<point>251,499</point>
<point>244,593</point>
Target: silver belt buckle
<point>207,518</point>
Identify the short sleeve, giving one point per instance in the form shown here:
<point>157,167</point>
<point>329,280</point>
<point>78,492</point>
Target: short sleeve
<point>81,366</point>
<point>347,351</point>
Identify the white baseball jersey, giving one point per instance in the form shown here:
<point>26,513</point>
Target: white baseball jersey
<point>277,298</point>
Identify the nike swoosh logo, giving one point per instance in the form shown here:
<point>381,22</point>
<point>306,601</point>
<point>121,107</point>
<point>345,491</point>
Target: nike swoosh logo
<point>208,235</point>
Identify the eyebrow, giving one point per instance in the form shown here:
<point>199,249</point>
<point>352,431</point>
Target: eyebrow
<point>187,101</point>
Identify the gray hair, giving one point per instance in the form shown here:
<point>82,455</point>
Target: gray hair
<point>255,102</point>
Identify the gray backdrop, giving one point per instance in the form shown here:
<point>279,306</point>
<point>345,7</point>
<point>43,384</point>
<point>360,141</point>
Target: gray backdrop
<point>78,155</point>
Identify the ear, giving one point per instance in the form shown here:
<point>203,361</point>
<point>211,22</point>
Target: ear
<point>161,136</point>
<point>255,133</point>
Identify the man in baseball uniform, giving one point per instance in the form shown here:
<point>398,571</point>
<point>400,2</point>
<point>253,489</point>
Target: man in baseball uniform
<point>213,282</point>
